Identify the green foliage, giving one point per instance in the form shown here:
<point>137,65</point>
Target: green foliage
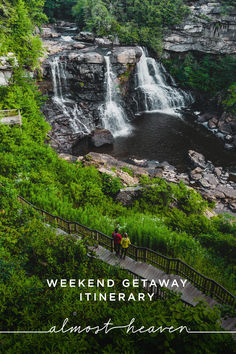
<point>230,100</point>
<point>168,218</point>
<point>110,186</point>
<point>31,252</point>
<point>128,170</point>
<point>192,224</point>
<point>207,73</point>
<point>160,196</point>
<point>133,21</point>
<point>59,9</point>
<point>17,35</point>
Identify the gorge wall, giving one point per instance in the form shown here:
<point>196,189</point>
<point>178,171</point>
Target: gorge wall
<point>75,73</point>
<point>208,29</point>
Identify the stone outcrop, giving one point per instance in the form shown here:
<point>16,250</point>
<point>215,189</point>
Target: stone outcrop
<point>49,32</point>
<point>7,63</point>
<point>128,195</point>
<point>126,55</point>
<point>85,37</point>
<point>100,137</point>
<point>207,29</point>
<point>221,124</point>
<point>213,183</point>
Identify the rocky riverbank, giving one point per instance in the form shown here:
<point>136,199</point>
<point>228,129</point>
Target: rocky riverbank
<point>213,183</point>
<point>220,123</point>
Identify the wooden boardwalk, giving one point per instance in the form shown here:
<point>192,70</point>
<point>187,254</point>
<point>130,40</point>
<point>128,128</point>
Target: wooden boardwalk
<point>189,293</point>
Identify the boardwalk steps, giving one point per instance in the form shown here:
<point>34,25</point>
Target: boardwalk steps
<point>147,268</point>
<point>189,294</point>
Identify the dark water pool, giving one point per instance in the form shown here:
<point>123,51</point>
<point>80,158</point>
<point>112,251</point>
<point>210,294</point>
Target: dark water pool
<point>161,137</point>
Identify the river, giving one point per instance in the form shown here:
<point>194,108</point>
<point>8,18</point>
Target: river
<point>162,137</point>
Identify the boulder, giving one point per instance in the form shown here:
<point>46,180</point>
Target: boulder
<point>103,42</point>
<point>211,179</point>
<point>212,123</point>
<point>227,191</point>
<point>225,128</point>
<point>78,45</point>
<point>205,183</point>
<point>5,77</point>
<point>229,146</point>
<point>233,126</point>
<point>89,57</point>
<point>126,55</point>
<point>128,195</point>
<point>101,137</point>
<point>204,117</point>
<point>197,159</point>
<point>68,157</point>
<point>49,32</point>
<point>218,171</point>
<point>228,138</point>
<point>7,63</point>
<point>233,207</point>
<point>85,37</point>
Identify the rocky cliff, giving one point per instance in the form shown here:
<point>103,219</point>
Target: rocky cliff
<point>80,60</point>
<point>208,29</point>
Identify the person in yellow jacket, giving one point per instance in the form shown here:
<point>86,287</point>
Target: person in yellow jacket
<point>125,242</point>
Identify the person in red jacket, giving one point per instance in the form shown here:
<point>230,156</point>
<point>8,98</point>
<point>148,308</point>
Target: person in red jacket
<point>117,240</point>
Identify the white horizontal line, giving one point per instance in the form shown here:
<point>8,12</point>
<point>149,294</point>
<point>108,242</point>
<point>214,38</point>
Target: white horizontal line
<point>190,332</point>
<point>22,332</point>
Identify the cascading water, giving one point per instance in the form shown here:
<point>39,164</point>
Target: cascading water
<point>112,114</point>
<point>154,91</point>
<point>66,106</point>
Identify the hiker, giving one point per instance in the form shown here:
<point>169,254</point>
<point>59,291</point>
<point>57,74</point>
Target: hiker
<point>125,242</point>
<point>117,240</point>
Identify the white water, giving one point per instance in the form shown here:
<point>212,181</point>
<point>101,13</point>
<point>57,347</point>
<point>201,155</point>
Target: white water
<point>112,114</point>
<point>67,107</point>
<point>66,38</point>
<point>154,90</point>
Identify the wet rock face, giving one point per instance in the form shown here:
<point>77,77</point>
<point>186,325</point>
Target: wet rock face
<point>206,30</point>
<point>81,59</point>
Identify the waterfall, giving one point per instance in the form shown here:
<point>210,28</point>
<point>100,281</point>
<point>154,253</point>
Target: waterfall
<point>154,92</point>
<point>67,107</point>
<point>112,114</point>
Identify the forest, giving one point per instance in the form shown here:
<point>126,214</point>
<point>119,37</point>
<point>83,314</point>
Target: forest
<point>169,217</point>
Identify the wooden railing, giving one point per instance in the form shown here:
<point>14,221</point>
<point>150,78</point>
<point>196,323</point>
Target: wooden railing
<point>168,265</point>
